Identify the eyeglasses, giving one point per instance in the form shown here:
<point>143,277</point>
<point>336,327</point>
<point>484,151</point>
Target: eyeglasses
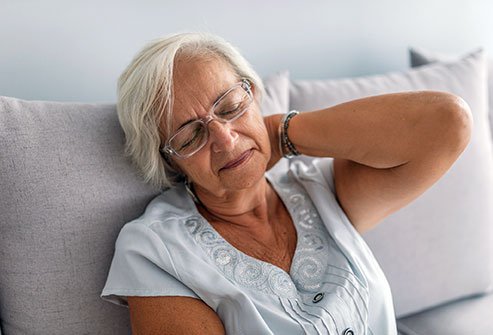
<point>192,136</point>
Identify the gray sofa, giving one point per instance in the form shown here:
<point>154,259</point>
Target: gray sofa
<point>67,190</point>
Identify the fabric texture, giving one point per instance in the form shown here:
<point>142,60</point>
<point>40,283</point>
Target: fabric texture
<point>275,101</point>
<point>334,283</point>
<point>466,316</point>
<point>444,238</point>
<point>276,98</point>
<point>420,56</point>
<point>66,192</point>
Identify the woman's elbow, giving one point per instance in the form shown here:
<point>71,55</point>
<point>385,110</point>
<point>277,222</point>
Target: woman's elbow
<point>456,116</point>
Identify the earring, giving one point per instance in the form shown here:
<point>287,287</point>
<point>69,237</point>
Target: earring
<point>190,192</point>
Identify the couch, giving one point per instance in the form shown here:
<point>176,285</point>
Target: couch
<point>67,190</point>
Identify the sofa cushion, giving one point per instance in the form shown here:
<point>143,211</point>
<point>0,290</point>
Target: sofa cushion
<point>66,192</point>
<point>439,247</point>
<point>276,97</point>
<point>420,56</point>
<point>466,316</point>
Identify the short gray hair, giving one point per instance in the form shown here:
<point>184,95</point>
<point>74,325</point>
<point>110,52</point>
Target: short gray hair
<point>145,95</point>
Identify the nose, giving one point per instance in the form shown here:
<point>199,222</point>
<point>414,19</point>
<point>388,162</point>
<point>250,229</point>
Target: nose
<point>222,136</point>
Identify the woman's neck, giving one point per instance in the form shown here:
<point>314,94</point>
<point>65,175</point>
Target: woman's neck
<point>248,209</point>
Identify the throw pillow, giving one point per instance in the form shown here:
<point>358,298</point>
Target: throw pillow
<point>439,247</point>
<point>420,56</point>
<point>66,192</point>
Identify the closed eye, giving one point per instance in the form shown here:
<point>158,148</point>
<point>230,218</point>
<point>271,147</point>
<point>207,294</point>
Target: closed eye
<point>193,139</point>
<point>230,110</point>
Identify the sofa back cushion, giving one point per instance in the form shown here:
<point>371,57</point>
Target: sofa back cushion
<point>420,56</point>
<point>66,192</point>
<point>439,247</point>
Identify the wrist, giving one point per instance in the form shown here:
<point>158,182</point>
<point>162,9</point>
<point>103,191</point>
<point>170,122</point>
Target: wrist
<point>286,147</point>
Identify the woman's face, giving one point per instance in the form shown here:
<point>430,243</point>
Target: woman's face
<point>198,83</point>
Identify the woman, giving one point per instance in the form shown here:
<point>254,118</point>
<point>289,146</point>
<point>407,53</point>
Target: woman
<point>231,248</point>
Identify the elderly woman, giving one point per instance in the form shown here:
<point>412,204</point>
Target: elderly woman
<point>230,247</point>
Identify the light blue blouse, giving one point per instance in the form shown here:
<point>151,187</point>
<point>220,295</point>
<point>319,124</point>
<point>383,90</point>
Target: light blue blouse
<point>334,286</point>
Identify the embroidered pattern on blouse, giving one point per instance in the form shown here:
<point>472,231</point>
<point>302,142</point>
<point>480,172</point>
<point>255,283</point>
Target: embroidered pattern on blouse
<point>312,256</point>
<point>237,266</point>
<point>311,264</point>
<point>313,270</point>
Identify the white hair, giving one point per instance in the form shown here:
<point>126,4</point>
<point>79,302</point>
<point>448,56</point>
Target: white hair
<point>145,95</point>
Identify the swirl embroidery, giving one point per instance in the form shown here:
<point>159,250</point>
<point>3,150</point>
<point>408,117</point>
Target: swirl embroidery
<point>310,262</point>
<point>317,265</point>
<point>237,266</point>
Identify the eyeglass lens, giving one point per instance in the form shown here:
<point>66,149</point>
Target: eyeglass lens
<point>195,134</point>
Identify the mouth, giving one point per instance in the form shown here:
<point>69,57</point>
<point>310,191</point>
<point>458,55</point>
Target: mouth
<point>238,161</point>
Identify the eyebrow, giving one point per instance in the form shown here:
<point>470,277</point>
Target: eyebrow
<point>215,101</point>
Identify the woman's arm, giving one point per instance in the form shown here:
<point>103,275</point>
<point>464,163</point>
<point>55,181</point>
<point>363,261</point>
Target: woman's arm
<point>383,131</point>
<point>173,315</point>
<point>388,149</point>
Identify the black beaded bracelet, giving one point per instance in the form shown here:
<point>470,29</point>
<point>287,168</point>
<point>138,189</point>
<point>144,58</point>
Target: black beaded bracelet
<point>286,147</point>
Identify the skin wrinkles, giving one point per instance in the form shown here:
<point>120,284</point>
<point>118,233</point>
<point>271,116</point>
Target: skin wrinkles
<point>240,196</point>
<point>239,202</point>
<point>387,149</point>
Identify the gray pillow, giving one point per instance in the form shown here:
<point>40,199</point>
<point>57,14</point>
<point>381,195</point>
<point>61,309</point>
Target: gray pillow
<point>420,56</point>
<point>276,98</point>
<point>439,247</point>
<point>66,193</point>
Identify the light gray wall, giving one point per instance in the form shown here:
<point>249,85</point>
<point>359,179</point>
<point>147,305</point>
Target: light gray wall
<point>75,50</point>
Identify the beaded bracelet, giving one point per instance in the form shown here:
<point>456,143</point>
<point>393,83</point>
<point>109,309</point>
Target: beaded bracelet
<point>286,147</point>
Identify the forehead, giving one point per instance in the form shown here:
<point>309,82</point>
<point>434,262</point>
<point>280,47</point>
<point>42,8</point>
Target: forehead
<point>197,83</point>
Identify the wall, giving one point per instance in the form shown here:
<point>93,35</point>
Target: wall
<point>75,51</point>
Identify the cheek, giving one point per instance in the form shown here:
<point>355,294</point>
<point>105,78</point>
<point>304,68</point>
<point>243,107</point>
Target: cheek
<point>197,167</point>
<point>259,132</point>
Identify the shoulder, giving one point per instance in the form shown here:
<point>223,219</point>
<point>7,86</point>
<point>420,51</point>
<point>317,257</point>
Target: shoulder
<point>314,169</point>
<point>307,169</point>
<point>314,175</point>
<point>173,203</point>
<point>154,246</point>
<point>161,221</point>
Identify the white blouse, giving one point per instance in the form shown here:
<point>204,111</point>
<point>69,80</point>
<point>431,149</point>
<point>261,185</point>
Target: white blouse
<point>334,286</point>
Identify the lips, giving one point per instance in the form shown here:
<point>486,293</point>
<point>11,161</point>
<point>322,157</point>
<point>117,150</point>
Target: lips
<point>238,161</point>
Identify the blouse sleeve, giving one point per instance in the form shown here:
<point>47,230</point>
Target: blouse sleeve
<point>326,168</point>
<point>141,266</point>
<point>321,172</point>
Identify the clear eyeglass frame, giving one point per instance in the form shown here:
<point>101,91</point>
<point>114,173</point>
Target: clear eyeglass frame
<point>168,149</point>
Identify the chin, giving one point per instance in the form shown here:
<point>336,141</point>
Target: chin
<point>247,175</point>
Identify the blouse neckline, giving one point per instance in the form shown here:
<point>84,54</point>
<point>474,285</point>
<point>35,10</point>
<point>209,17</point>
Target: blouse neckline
<point>309,258</point>
<point>282,196</point>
